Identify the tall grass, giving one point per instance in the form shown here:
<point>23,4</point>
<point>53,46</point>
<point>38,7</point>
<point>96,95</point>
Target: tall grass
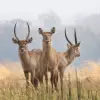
<point>12,89</point>
<point>78,85</point>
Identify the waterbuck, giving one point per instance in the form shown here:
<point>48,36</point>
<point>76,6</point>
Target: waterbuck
<point>29,59</point>
<point>49,58</point>
<point>55,61</point>
<point>66,58</point>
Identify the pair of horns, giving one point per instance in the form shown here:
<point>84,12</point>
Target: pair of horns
<point>27,34</point>
<point>74,37</point>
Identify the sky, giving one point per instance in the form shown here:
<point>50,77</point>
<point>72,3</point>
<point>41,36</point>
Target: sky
<point>68,10</point>
<point>30,9</point>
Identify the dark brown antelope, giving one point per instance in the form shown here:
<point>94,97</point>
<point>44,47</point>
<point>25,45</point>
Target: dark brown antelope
<point>49,58</point>
<point>66,58</point>
<point>29,59</point>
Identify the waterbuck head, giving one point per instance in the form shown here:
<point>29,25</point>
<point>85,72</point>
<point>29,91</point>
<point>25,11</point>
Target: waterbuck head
<point>73,48</point>
<point>47,35</point>
<point>22,43</point>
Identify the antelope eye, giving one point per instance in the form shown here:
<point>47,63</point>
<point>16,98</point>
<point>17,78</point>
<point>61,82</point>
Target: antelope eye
<point>76,49</point>
<point>19,43</point>
<point>25,43</point>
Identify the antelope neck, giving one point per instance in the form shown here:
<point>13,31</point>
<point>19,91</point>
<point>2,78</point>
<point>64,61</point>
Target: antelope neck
<point>47,49</point>
<point>69,55</point>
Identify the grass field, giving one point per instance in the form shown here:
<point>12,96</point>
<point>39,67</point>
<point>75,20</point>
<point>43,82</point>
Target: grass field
<point>83,84</point>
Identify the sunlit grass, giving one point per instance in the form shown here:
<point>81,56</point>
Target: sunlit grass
<point>83,84</point>
<point>12,89</point>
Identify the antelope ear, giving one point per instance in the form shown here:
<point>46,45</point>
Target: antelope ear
<point>29,40</point>
<point>78,44</point>
<point>40,31</point>
<point>53,30</point>
<point>68,45</point>
<point>14,41</point>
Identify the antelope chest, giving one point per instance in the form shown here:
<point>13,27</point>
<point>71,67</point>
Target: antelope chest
<point>26,66</point>
<point>50,63</point>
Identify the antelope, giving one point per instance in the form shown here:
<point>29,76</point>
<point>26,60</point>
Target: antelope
<point>29,59</point>
<point>60,59</point>
<point>49,58</point>
<point>66,58</point>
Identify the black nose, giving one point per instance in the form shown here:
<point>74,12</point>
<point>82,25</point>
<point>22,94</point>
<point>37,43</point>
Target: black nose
<point>78,55</point>
<point>47,41</point>
<point>22,49</point>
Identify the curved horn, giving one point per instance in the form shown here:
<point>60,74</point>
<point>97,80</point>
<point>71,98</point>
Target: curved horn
<point>15,32</point>
<point>75,36</point>
<point>28,31</point>
<point>67,37</point>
